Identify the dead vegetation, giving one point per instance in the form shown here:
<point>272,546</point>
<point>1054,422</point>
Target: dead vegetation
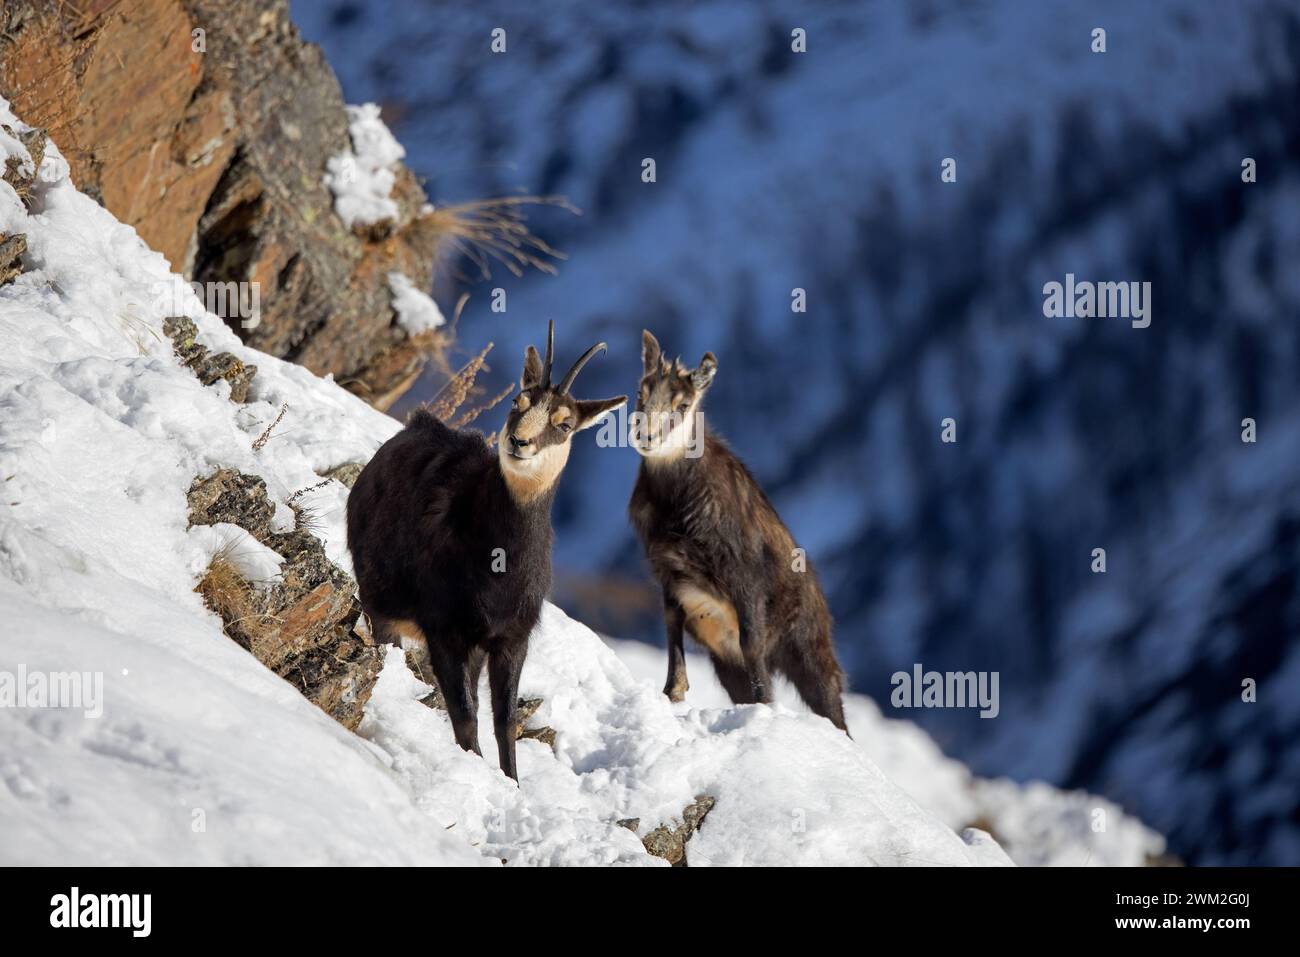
<point>485,230</point>
<point>260,442</point>
<point>447,405</point>
<point>226,592</point>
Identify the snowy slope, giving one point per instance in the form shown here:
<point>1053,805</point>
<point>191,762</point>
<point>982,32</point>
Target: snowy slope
<point>197,754</point>
<point>790,788</point>
<point>1036,824</point>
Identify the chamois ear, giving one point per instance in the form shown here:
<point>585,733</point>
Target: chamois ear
<point>590,410</point>
<point>650,351</point>
<point>702,377</point>
<point>532,370</point>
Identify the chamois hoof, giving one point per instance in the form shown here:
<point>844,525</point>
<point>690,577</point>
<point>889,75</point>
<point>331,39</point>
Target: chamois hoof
<point>676,694</point>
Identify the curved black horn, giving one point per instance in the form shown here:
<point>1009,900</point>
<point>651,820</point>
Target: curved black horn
<point>550,354</point>
<point>577,367</point>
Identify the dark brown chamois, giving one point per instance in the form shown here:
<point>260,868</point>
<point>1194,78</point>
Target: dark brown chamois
<point>730,572</point>
<point>451,541</point>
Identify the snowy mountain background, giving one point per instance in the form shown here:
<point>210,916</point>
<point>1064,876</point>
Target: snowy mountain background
<point>821,171</point>
<point>193,752</point>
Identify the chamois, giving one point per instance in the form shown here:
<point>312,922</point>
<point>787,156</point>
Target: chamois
<point>726,563</point>
<point>451,542</point>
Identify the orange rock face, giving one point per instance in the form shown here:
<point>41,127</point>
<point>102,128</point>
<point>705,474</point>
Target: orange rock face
<point>206,125</point>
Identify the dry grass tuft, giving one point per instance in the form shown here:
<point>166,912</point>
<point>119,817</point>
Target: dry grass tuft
<point>307,518</point>
<point>465,418</point>
<point>227,592</point>
<point>484,230</point>
<point>241,605</point>
<point>458,388</point>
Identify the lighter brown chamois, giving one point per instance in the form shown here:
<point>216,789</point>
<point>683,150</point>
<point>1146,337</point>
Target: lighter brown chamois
<point>729,570</point>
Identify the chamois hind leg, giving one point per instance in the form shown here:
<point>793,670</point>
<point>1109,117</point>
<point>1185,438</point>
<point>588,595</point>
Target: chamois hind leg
<point>407,636</point>
<point>676,685</point>
<point>755,646</point>
<point>734,678</point>
<point>459,688</point>
<point>385,630</point>
<point>504,667</point>
<point>817,678</point>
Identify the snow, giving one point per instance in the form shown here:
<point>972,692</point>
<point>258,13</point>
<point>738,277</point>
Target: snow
<point>1034,823</point>
<point>255,562</point>
<point>790,788</point>
<point>199,755</point>
<point>362,178</point>
<point>416,310</point>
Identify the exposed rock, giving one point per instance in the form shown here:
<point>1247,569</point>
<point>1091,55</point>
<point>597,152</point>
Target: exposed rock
<point>12,249</point>
<point>224,365</point>
<point>16,173</point>
<point>303,626</point>
<point>338,671</point>
<point>231,496</point>
<point>184,334</point>
<point>527,709</point>
<point>213,146</point>
<point>210,367</point>
<point>545,735</point>
<point>434,699</point>
<point>347,473</point>
<point>670,842</point>
<point>305,563</point>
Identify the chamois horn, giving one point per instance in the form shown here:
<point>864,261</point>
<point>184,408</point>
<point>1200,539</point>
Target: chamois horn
<point>577,367</point>
<point>550,354</point>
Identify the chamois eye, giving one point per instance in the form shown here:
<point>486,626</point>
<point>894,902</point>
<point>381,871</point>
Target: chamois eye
<point>565,427</point>
<point>683,407</point>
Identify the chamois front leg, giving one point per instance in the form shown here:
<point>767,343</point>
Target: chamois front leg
<point>458,682</point>
<point>675,620</point>
<point>754,645</point>
<point>504,667</point>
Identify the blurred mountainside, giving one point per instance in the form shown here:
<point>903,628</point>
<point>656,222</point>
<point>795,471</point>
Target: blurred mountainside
<point>821,171</point>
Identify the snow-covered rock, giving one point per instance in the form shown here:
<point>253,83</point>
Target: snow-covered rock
<point>416,310</point>
<point>362,178</point>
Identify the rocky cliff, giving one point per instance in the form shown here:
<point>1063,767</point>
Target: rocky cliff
<point>206,125</point>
